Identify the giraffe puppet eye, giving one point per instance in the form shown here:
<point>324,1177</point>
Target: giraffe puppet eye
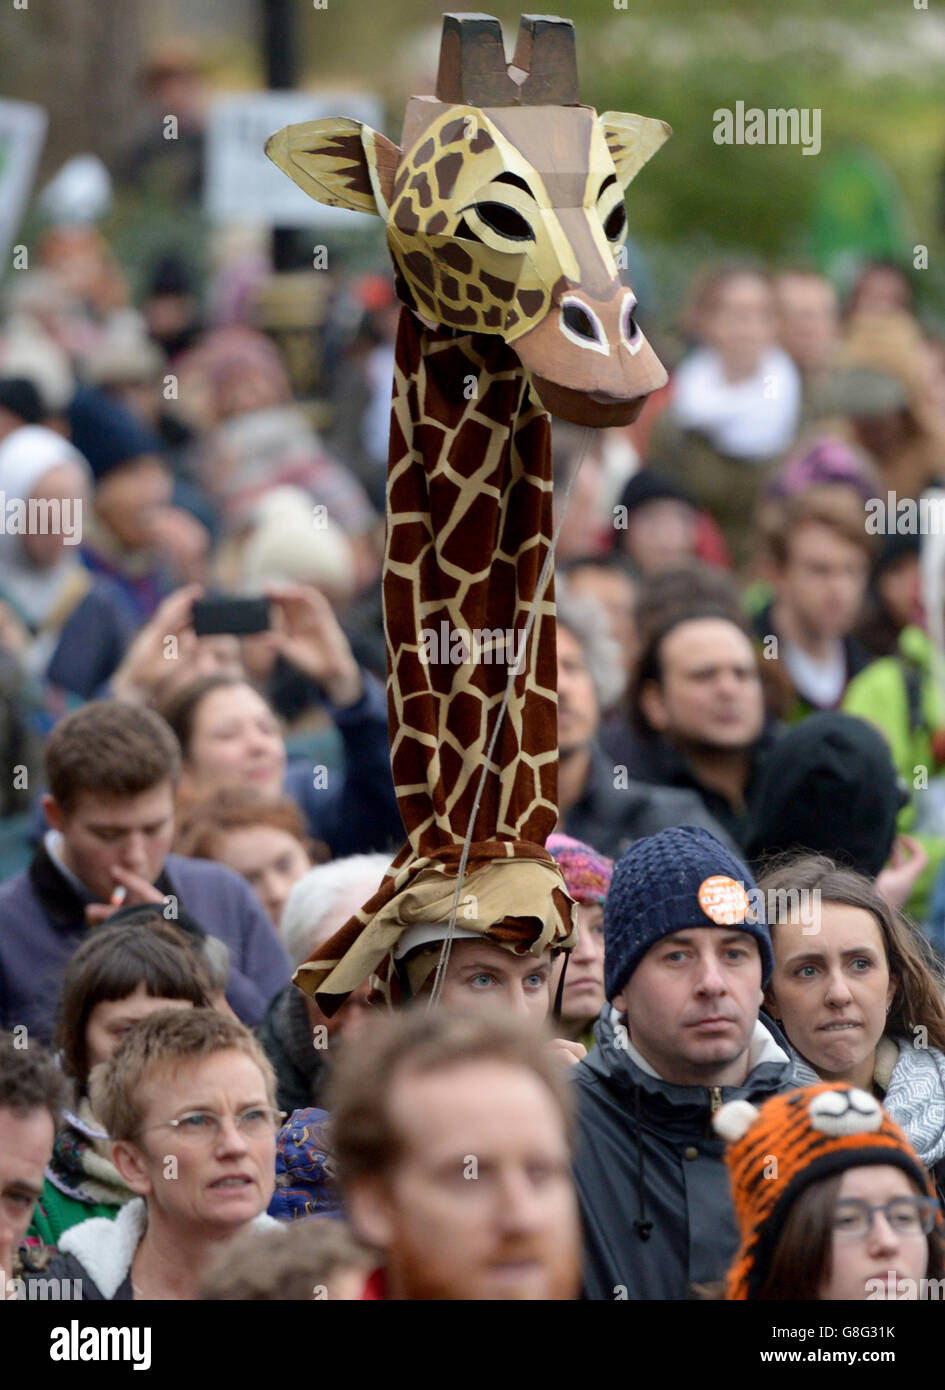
<point>501,218</point>
<point>464,230</point>
<point>616,223</point>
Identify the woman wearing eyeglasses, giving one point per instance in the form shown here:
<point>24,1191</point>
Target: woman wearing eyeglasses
<point>124,971</point>
<point>188,1100</point>
<point>831,1199</point>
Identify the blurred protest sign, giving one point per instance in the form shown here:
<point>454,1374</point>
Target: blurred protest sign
<point>242,185</point>
<point>22,132</point>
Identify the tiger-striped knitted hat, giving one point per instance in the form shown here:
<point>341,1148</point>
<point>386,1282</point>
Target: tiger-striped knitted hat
<point>793,1141</point>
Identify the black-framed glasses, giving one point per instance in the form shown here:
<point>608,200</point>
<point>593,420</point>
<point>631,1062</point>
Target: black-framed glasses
<point>908,1216</point>
<point>205,1126</point>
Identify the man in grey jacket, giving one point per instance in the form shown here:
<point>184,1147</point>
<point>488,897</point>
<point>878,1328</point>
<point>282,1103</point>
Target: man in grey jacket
<point>687,953</point>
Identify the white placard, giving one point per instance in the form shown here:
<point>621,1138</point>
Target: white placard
<point>242,185</point>
<point>22,132</point>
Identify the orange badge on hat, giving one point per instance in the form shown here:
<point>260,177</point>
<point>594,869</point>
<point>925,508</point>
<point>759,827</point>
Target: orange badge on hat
<point>723,900</point>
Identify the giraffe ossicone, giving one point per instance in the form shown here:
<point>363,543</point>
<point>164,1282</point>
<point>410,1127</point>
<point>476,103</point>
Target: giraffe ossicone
<point>504,210</point>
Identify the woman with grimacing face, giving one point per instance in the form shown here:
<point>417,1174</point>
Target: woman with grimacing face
<point>188,1098</point>
<point>859,997</point>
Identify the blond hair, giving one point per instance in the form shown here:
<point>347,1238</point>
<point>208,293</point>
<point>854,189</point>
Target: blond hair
<point>170,1036</point>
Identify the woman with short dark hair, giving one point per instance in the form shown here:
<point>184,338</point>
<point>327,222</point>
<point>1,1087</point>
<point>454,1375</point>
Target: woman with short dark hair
<point>119,975</point>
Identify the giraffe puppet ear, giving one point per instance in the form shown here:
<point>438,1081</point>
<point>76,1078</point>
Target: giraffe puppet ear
<point>632,140</point>
<point>339,162</point>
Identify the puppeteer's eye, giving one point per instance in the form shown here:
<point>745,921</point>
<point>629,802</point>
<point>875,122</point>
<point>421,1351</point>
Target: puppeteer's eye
<point>505,220</point>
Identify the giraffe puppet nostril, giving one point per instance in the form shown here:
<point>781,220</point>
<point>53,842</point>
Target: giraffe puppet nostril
<point>580,322</point>
<point>629,322</point>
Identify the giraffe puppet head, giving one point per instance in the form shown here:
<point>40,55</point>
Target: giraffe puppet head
<point>504,210</point>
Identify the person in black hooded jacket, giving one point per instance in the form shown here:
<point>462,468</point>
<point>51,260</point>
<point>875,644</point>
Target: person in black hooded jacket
<point>686,954</point>
<point>829,786</point>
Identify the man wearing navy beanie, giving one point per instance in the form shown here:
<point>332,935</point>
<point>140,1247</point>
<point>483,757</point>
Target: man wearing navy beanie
<point>687,954</point>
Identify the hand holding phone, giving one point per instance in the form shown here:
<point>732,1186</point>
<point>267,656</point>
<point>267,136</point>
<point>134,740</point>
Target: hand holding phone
<point>225,613</point>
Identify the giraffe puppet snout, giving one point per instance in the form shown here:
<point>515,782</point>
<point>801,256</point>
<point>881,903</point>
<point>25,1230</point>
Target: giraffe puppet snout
<point>588,359</point>
<point>586,327</point>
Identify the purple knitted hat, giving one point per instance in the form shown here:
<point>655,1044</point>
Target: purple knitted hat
<point>586,873</point>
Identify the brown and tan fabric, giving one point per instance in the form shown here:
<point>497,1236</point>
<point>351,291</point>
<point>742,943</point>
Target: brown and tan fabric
<point>469,525</point>
<point>504,212</point>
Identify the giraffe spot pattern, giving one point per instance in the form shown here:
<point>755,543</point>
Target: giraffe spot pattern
<point>530,301</point>
<point>456,258</point>
<point>420,266</point>
<point>501,289</point>
<point>470,470</point>
<point>464,318</point>
<point>481,142</point>
<point>453,131</point>
<point>407,219</point>
<point>450,287</point>
<point>424,154</point>
<point>447,171</point>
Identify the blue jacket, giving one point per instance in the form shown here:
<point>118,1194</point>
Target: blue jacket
<point>42,923</point>
<point>356,811</point>
<point>93,640</point>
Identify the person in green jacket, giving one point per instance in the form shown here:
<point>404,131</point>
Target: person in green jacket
<point>120,974</point>
<point>903,698</point>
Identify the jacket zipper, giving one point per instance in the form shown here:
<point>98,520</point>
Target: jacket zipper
<point>715,1096</point>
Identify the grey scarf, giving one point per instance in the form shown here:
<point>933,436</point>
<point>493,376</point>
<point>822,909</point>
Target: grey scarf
<point>914,1093</point>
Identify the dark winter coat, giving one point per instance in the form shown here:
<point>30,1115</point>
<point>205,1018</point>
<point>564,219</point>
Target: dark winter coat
<point>356,811</point>
<point>42,923</point>
<point>651,1178</point>
<point>286,1037</point>
<point>658,762</point>
<point>614,810</point>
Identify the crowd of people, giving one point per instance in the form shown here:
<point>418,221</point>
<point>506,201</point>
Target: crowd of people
<point>751,796</point>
